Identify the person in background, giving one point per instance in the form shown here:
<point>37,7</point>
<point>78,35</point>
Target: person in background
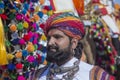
<point>63,31</point>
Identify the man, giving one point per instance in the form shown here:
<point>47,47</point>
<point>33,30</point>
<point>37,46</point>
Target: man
<point>64,30</point>
<point>76,6</point>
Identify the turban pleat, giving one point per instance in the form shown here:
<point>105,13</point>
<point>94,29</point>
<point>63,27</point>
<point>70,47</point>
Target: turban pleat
<point>66,22</point>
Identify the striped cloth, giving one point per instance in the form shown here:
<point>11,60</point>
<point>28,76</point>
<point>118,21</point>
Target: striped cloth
<point>98,73</point>
<point>66,22</point>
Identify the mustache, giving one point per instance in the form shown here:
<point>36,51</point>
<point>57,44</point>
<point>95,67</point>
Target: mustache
<point>49,47</point>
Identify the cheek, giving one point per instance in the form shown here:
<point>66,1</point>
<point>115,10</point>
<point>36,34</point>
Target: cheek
<point>63,44</point>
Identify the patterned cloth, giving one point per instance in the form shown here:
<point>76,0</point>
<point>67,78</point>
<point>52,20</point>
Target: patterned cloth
<point>98,73</point>
<point>67,23</point>
<point>85,72</point>
<point>82,74</point>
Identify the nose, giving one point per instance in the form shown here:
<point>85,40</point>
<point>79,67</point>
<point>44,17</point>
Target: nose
<point>51,41</point>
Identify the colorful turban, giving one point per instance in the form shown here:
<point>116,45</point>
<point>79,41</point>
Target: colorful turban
<point>66,22</point>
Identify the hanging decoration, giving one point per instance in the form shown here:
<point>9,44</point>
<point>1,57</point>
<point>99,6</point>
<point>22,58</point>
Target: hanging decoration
<point>24,39</point>
<point>105,52</point>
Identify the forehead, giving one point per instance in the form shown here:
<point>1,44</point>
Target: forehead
<point>55,32</point>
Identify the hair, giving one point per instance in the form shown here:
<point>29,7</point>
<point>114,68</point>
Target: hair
<point>78,50</point>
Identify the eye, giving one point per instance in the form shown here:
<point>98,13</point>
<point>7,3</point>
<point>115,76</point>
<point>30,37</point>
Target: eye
<point>57,36</point>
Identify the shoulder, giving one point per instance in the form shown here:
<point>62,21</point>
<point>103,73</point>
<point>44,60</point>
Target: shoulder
<point>85,66</point>
<point>84,71</point>
<point>98,73</point>
<point>37,73</point>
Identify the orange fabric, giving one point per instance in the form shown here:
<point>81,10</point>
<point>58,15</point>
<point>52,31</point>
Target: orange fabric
<point>79,6</point>
<point>64,19</point>
<point>117,6</point>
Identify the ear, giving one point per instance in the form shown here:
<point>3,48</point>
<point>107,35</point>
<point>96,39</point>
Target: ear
<point>74,42</point>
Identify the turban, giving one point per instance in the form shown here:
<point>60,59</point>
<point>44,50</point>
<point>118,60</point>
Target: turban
<point>66,22</point>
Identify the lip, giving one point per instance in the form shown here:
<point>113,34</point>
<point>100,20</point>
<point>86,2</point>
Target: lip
<point>53,50</point>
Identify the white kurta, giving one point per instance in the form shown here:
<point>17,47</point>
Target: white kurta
<point>82,74</point>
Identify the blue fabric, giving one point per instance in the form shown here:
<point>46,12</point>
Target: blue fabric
<point>46,71</point>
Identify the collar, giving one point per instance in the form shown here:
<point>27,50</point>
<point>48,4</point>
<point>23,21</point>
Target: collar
<point>70,62</point>
<point>73,64</point>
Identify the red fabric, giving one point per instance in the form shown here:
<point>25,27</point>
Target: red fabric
<point>73,23</point>
<point>3,16</point>
<point>112,78</point>
<point>103,11</point>
<point>52,4</point>
<point>19,66</point>
<point>95,1</point>
<point>66,22</point>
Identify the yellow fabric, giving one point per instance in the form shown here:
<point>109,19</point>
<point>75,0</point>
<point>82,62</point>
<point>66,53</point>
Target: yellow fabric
<point>10,56</point>
<point>43,37</point>
<point>3,53</point>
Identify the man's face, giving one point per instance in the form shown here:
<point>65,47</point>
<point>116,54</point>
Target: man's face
<point>59,47</point>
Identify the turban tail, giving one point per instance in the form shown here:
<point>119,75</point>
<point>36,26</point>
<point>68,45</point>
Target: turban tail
<point>66,22</point>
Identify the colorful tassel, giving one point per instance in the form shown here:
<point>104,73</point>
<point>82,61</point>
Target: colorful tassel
<point>18,55</point>
<point>30,59</point>
<point>19,66</point>
<point>10,56</point>
<point>30,47</point>
<point>25,24</point>
<point>43,37</point>
<point>13,27</point>
<point>20,77</point>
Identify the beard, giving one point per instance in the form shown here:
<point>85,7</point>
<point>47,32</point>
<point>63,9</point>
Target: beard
<point>59,55</point>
